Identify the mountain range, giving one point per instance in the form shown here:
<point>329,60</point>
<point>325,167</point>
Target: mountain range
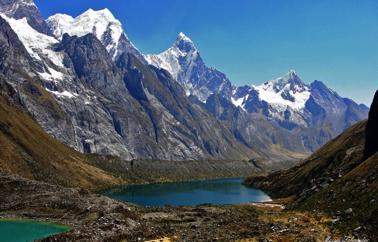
<point>313,113</point>
<point>87,85</point>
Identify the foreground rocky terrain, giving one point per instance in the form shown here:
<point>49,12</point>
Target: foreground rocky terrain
<point>96,218</point>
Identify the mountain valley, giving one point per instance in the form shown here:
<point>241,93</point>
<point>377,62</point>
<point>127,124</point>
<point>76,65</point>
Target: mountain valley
<point>82,109</point>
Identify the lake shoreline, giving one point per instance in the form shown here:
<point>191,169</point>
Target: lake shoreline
<point>170,182</point>
<point>20,230</point>
<point>93,217</point>
<point>34,221</point>
<point>189,193</point>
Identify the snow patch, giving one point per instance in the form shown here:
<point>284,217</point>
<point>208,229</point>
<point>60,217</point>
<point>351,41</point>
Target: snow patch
<point>37,44</point>
<point>64,94</point>
<point>53,75</point>
<point>240,102</point>
<point>167,60</point>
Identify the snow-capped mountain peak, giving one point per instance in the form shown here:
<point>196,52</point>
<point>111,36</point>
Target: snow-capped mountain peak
<point>287,91</point>
<point>184,43</point>
<point>184,63</point>
<point>101,23</point>
<point>292,78</point>
<point>292,72</point>
<point>91,21</point>
<point>102,12</point>
<point>183,51</point>
<point>182,36</point>
<point>17,3</point>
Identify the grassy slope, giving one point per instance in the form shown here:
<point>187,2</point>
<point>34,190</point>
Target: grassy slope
<point>329,160</point>
<point>333,179</point>
<point>358,190</point>
<point>27,150</point>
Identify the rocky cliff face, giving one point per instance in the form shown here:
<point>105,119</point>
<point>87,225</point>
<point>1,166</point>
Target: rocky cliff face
<point>371,142</point>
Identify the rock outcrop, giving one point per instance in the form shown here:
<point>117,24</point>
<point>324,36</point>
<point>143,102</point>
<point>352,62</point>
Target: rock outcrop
<point>371,142</point>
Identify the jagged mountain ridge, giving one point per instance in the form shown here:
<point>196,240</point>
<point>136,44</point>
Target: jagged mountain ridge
<point>312,112</point>
<point>91,108</point>
<point>292,103</point>
<point>185,64</point>
<point>89,127</point>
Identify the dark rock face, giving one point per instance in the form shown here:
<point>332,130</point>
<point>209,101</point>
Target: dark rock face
<point>91,62</point>
<point>174,115</point>
<point>330,110</point>
<point>25,9</point>
<point>371,143</point>
<point>125,46</point>
<point>14,57</point>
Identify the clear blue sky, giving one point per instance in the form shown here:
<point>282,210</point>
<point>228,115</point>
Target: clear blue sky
<point>256,40</point>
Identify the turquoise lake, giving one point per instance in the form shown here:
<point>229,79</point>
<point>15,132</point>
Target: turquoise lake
<point>222,191</point>
<point>27,231</point>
